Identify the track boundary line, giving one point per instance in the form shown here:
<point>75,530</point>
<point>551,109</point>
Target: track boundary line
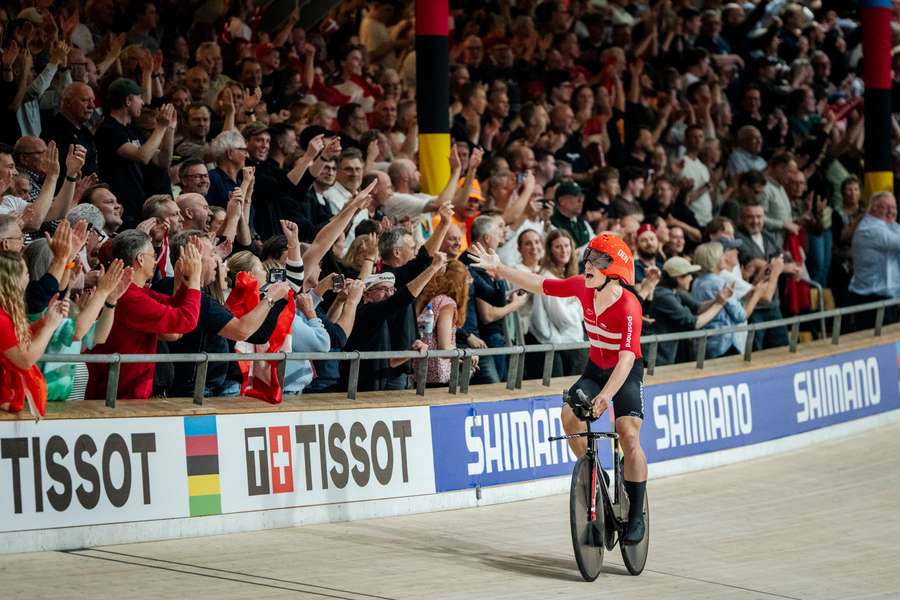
<point>84,554</point>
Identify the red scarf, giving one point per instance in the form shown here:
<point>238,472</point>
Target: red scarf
<point>260,377</point>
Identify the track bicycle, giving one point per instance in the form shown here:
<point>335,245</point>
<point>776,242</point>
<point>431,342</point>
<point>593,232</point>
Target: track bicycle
<point>595,528</point>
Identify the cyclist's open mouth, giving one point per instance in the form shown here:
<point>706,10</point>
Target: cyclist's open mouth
<point>588,275</point>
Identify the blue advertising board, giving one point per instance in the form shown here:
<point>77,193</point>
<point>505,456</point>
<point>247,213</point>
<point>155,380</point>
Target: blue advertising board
<point>492,443</point>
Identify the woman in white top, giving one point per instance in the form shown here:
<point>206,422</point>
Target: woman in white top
<point>557,320</point>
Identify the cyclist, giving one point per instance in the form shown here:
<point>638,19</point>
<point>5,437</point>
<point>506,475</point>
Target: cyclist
<point>614,372</point>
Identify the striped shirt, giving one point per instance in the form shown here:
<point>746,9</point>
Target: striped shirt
<point>616,329</point>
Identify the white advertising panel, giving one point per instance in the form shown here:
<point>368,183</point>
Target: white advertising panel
<point>278,460</point>
<point>60,473</point>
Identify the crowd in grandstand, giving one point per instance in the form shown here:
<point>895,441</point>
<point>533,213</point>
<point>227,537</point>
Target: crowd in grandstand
<point>185,177</point>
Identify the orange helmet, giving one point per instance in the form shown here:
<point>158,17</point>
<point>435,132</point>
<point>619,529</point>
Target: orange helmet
<point>612,256</point>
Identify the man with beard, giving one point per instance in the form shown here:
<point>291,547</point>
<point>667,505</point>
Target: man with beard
<point>647,252</point>
<point>195,144</point>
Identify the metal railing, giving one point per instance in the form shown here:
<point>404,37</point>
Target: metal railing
<point>462,358</point>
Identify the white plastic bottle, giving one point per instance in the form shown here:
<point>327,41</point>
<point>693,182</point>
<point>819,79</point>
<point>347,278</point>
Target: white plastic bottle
<point>426,321</point>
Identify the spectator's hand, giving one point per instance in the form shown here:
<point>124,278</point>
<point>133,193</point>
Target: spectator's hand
<point>446,212</point>
<point>777,265</point>
<point>326,284</point>
<point>362,197</point>
<point>484,259</point>
<point>61,242</point>
<point>124,282</point>
<point>237,196</point>
<point>332,148</point>
<point>653,275</point>
<point>475,342</point>
<point>291,232</point>
<point>372,152</point>
<point>419,346</point>
<point>314,147</point>
<point>233,207</point>
<point>10,55</point>
<point>157,61</point>
<point>384,224</point>
<point>57,310</point>
<point>59,54</point>
<point>50,161</point>
<point>91,278</point>
<point>454,158</point>
<point>438,260</point>
<point>190,265</point>
<point>116,43</point>
<point>223,250</point>
<point>110,280</point>
<point>278,291</point>
<point>370,246</point>
<point>518,300</point>
<point>157,229</point>
<point>249,174</point>
<point>78,237</point>
<point>226,102</point>
<point>354,289</point>
<point>791,227</point>
<point>305,306</point>
<point>83,184</point>
<point>167,117</point>
<point>146,63</point>
<point>251,100</point>
<point>75,160</point>
<point>725,294</point>
<point>475,158</point>
<point>81,300</point>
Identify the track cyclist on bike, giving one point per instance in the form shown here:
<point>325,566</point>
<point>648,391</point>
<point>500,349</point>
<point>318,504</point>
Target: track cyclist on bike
<point>614,372</point>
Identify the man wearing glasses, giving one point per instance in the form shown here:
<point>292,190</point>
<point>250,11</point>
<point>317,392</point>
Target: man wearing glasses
<point>194,177</point>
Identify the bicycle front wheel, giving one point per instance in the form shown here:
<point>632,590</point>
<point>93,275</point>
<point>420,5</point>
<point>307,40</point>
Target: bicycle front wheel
<point>635,556</point>
<point>586,542</point>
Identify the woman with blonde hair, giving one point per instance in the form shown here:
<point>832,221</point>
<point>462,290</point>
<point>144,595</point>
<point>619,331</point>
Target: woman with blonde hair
<point>556,320</point>
<point>448,296</point>
<point>711,258</point>
<point>21,344</point>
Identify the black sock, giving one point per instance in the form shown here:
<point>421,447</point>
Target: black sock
<point>635,491</point>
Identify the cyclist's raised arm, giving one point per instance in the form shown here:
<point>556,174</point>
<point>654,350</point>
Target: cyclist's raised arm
<point>490,262</point>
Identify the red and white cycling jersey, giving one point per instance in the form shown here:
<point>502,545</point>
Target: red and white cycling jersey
<point>617,328</point>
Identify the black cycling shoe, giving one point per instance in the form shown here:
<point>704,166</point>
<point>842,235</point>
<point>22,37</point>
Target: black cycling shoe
<point>634,532</point>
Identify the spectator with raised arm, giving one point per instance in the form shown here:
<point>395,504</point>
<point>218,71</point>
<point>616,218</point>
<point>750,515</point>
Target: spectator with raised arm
<point>145,315</point>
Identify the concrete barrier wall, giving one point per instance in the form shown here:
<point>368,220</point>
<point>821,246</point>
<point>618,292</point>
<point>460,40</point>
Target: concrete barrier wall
<point>83,482</point>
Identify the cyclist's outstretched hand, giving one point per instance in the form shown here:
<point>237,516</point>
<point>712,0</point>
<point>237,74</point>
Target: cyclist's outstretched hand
<point>484,259</point>
<point>601,403</point>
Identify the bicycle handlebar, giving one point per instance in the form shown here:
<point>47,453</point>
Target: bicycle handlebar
<point>612,435</point>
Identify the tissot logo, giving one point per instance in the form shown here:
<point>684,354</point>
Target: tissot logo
<point>358,453</point>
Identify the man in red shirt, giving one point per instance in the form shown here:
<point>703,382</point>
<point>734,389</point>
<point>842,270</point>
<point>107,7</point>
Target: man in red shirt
<point>614,373</point>
<point>144,315</point>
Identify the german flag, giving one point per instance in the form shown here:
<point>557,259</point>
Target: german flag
<point>876,23</point>
<point>433,93</point>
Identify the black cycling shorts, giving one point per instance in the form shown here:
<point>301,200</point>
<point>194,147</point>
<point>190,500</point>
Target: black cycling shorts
<point>628,401</point>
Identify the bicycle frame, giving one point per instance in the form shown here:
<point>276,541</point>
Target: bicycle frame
<point>610,505</point>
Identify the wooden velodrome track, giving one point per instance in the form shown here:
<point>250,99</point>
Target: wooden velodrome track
<point>812,524</point>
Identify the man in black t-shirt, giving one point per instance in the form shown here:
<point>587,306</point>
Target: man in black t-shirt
<point>216,325</point>
<point>122,150</point>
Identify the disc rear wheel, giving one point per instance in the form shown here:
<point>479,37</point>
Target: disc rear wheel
<point>587,543</point>
<point>635,555</point>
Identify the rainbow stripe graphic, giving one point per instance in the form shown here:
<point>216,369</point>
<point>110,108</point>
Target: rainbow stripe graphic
<point>202,449</point>
<point>898,354</point>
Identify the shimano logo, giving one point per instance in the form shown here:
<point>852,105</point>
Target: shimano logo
<point>840,388</point>
<point>702,415</point>
<point>515,440</point>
